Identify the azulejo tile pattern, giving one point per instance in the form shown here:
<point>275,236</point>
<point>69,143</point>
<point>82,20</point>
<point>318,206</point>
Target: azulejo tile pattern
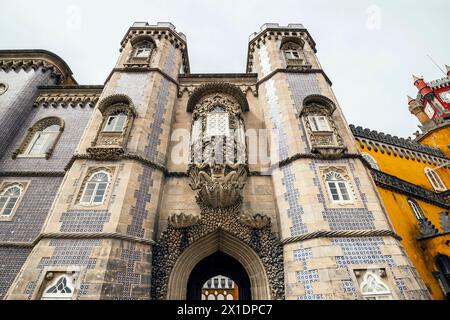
<point>84,221</point>
<point>306,277</point>
<point>11,260</point>
<point>129,278</point>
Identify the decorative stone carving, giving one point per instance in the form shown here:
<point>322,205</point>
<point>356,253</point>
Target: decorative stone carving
<point>105,153</point>
<point>64,100</point>
<point>182,220</point>
<point>427,228</point>
<point>173,242</point>
<point>218,185</point>
<point>328,144</point>
<point>27,64</point>
<point>255,221</point>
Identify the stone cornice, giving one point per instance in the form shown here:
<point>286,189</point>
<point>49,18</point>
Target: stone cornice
<point>33,59</point>
<point>76,235</point>
<point>284,70</point>
<point>395,141</point>
<point>164,30</point>
<point>143,69</point>
<point>392,183</point>
<point>65,96</point>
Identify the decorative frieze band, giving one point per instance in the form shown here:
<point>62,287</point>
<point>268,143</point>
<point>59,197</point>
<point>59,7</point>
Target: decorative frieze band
<point>340,234</point>
<point>81,235</point>
<point>28,64</point>
<point>67,99</point>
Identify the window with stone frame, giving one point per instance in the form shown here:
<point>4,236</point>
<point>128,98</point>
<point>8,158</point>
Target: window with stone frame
<point>9,198</point>
<point>338,187</point>
<point>115,122</point>
<point>373,287</point>
<point>217,122</point>
<point>293,54</point>
<point>95,188</point>
<point>59,285</point>
<point>41,138</point>
<point>435,180</point>
<point>142,50</point>
<point>418,213</point>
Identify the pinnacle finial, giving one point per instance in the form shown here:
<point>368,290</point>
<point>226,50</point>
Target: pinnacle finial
<point>417,78</point>
<point>410,99</point>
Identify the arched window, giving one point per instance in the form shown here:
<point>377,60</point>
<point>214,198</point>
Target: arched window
<point>435,180</point>
<point>116,122</point>
<point>95,188</point>
<point>8,199</point>
<point>142,50</point>
<point>373,288</point>
<point>371,160</point>
<point>416,209</point>
<point>217,122</point>
<point>60,288</point>
<point>41,138</point>
<point>293,53</point>
<point>337,187</point>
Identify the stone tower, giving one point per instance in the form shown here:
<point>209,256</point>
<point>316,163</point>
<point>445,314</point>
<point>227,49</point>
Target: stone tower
<point>181,182</point>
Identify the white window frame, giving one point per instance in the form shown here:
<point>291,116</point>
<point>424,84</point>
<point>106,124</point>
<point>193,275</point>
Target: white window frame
<point>319,123</point>
<point>59,295</point>
<point>417,210</point>
<point>49,140</point>
<point>338,189</point>
<point>115,122</point>
<point>376,295</point>
<point>145,47</point>
<point>95,189</point>
<point>7,200</point>
<point>292,54</point>
<point>435,180</point>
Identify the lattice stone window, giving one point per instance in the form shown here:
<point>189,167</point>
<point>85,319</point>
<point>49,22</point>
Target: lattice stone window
<point>115,123</point>
<point>416,209</point>
<point>59,287</point>
<point>337,187</point>
<point>217,122</point>
<point>435,180</point>
<point>9,197</point>
<point>373,288</point>
<point>41,138</point>
<point>94,192</point>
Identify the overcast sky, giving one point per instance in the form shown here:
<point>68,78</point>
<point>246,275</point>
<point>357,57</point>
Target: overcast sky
<point>369,49</point>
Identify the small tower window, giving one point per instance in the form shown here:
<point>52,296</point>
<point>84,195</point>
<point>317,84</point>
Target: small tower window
<point>143,50</point>
<point>8,199</point>
<point>217,122</point>
<point>435,180</point>
<point>115,123</point>
<point>292,54</point>
<point>416,209</point>
<point>337,187</point>
<point>95,189</point>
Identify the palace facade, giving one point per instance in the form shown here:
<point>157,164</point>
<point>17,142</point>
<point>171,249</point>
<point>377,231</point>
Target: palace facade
<point>165,184</point>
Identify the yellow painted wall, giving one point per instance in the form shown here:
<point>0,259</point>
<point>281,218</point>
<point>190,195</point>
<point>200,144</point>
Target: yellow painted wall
<point>410,170</point>
<point>421,253</point>
<point>438,138</point>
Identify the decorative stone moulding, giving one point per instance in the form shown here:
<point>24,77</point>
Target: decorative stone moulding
<point>105,153</point>
<point>66,100</point>
<point>329,152</point>
<point>255,221</point>
<point>218,185</point>
<point>182,220</point>
<point>27,64</point>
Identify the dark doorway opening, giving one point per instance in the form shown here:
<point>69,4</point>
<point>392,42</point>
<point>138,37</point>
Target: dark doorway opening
<point>216,264</point>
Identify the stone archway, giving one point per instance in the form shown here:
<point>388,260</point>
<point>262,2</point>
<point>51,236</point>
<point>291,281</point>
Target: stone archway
<point>208,245</point>
<point>255,246</point>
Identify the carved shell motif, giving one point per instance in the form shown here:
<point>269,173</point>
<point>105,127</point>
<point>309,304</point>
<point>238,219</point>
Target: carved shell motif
<point>182,220</point>
<point>255,221</point>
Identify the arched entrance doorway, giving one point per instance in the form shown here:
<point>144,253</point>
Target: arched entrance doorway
<point>218,241</point>
<point>218,276</point>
